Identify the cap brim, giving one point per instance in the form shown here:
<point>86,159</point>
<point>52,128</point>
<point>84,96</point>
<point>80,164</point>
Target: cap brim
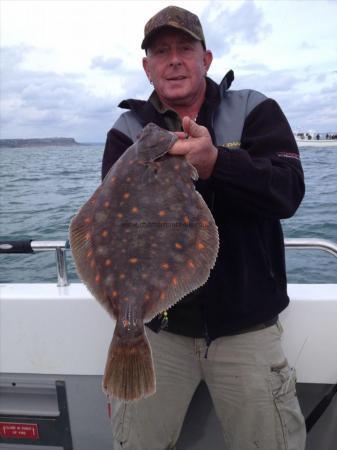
<point>153,33</point>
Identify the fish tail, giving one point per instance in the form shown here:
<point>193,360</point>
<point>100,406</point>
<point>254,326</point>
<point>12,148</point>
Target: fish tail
<point>129,373</point>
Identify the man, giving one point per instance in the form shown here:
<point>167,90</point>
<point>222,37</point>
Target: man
<point>226,333</point>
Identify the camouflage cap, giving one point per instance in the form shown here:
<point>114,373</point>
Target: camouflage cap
<point>174,17</point>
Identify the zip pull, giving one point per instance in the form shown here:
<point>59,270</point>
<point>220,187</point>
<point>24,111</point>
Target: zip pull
<point>206,333</point>
<point>208,341</point>
<point>206,352</point>
<point>164,320</point>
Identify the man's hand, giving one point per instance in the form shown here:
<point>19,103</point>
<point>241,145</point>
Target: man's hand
<point>196,144</point>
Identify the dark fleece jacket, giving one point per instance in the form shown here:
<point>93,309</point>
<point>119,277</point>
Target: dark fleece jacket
<point>251,188</point>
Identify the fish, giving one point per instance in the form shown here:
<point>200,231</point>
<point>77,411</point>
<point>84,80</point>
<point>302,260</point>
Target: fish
<point>140,243</point>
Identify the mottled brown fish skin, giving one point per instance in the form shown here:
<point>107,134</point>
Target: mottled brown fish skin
<point>143,241</point>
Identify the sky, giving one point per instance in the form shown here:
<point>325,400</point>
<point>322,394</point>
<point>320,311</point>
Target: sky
<point>65,65</point>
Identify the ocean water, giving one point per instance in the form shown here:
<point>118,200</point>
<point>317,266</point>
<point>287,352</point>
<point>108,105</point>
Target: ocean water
<point>42,188</point>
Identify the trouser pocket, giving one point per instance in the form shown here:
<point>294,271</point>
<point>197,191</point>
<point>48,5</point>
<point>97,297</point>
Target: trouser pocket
<point>288,411</point>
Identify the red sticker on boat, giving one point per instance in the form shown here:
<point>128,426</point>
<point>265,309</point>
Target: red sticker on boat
<point>15,430</point>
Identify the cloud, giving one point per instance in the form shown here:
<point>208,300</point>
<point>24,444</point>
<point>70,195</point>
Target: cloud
<point>314,110</point>
<point>38,103</point>
<point>306,46</point>
<point>268,81</point>
<point>46,91</point>
<point>109,64</point>
<point>245,24</point>
<point>305,108</point>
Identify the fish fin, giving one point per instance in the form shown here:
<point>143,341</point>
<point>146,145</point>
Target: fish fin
<point>129,372</point>
<point>82,249</point>
<point>81,246</point>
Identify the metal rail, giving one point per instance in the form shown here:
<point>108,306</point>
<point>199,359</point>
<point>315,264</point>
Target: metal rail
<point>312,244</point>
<point>60,248</point>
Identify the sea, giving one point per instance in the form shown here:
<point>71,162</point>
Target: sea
<point>41,188</point>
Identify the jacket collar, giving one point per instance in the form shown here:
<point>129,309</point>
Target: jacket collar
<point>146,112</point>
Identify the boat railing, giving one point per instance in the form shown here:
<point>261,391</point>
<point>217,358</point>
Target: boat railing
<point>61,247</point>
<point>28,246</point>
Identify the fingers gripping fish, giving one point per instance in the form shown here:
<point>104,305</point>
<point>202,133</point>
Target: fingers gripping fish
<point>144,240</point>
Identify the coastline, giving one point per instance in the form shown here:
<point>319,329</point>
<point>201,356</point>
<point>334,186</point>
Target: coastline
<point>40,142</point>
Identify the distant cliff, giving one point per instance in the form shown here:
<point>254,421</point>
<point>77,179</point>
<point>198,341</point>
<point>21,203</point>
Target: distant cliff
<point>42,142</point>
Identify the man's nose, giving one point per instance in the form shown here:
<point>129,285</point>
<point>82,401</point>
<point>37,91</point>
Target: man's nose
<point>175,59</point>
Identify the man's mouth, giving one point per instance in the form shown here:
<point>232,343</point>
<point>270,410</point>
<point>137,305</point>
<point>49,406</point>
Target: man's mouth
<point>176,78</point>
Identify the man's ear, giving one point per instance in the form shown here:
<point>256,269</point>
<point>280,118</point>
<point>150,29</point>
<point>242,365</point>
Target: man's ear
<point>146,67</point>
<point>208,58</point>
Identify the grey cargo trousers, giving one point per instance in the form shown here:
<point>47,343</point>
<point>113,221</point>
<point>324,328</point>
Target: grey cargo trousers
<point>250,383</point>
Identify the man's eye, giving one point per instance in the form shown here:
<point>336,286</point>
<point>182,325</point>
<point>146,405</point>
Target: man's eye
<point>161,50</point>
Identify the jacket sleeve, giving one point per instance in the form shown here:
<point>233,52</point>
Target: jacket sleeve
<point>264,176</point>
<point>116,144</point>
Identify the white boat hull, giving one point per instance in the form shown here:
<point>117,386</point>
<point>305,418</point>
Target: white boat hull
<point>39,321</point>
<point>316,142</point>
<point>50,333</point>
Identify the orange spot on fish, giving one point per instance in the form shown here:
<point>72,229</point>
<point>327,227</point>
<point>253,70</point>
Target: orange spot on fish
<point>204,223</point>
<point>165,266</point>
<point>144,275</point>
<point>133,260</point>
<point>126,195</point>
<point>146,296</point>
<point>125,299</point>
<point>87,236</point>
<point>134,209</point>
<point>106,204</point>
<point>98,278</point>
<point>162,296</point>
<point>162,213</point>
<point>89,254</point>
<point>87,220</point>
<point>92,264</point>
<point>178,246</point>
<point>119,215</point>
<point>200,246</point>
<point>104,233</point>
<point>122,276</point>
<point>113,179</point>
<point>108,262</point>
<point>114,294</point>
<point>186,220</point>
<point>125,323</point>
<point>191,264</point>
<point>177,167</point>
<point>175,281</point>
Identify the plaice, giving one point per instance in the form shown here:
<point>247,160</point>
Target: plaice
<point>144,240</point>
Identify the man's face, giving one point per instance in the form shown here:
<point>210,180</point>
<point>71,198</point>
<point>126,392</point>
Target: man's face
<point>177,64</point>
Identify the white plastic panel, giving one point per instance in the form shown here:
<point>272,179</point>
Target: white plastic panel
<point>49,330</point>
